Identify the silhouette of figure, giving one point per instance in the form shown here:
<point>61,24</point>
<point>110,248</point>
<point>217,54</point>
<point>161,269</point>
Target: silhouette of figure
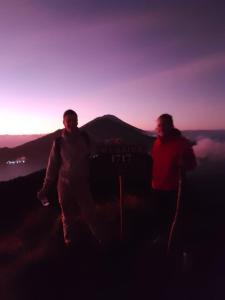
<point>172,156</point>
<point>68,165</point>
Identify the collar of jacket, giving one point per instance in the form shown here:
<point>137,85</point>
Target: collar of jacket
<point>70,135</point>
<point>175,133</point>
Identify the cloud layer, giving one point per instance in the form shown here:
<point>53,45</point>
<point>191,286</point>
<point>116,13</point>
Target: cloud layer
<point>207,148</point>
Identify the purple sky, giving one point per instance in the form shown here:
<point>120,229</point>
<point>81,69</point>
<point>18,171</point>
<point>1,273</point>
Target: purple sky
<point>134,59</point>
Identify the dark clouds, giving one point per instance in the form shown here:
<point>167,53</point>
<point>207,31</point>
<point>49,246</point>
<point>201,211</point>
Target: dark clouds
<point>155,51</point>
<point>204,10</point>
<point>163,33</point>
<point>185,29</point>
<point>95,7</point>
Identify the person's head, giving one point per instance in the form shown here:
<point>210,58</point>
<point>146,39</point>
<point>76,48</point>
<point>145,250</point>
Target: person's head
<point>164,125</point>
<point>70,120</point>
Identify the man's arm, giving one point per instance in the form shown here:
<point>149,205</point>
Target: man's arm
<point>91,143</point>
<point>188,160</point>
<point>52,171</point>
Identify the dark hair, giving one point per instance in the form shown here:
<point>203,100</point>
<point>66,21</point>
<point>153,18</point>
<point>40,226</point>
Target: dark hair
<point>167,118</point>
<point>69,112</point>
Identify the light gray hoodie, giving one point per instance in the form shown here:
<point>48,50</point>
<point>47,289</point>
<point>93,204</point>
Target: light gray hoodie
<point>68,160</point>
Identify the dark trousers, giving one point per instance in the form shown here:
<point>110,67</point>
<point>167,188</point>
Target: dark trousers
<point>76,200</point>
<point>164,206</point>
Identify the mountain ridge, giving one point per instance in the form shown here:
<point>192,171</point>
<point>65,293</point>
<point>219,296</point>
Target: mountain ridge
<point>36,152</point>
<point>94,127</point>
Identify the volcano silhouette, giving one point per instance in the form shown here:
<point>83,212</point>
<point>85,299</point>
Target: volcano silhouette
<point>37,151</point>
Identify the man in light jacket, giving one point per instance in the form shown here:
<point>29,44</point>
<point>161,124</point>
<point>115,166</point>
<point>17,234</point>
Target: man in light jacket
<point>68,167</point>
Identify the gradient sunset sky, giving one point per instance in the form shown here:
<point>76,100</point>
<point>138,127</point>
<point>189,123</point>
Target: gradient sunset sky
<point>133,59</point>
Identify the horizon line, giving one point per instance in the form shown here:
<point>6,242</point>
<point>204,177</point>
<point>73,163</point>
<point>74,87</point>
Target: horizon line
<point>147,130</point>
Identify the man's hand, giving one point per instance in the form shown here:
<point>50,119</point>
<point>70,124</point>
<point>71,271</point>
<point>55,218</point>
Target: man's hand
<point>42,196</point>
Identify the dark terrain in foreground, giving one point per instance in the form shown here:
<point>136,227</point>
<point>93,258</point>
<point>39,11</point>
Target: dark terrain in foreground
<point>35,264</point>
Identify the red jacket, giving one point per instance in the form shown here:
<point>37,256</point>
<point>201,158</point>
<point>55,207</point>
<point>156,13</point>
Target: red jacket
<point>170,155</point>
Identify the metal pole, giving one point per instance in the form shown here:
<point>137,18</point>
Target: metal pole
<point>176,212</point>
<point>121,207</point>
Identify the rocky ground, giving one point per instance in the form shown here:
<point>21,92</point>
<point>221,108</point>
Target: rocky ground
<point>36,265</point>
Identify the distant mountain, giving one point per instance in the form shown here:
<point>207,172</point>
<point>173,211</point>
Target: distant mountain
<point>34,151</point>
<point>14,140</point>
<point>102,128</point>
<point>111,127</point>
<point>36,154</point>
<point>37,151</point>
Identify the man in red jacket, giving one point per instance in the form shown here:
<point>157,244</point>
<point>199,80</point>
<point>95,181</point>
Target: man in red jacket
<point>172,155</point>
